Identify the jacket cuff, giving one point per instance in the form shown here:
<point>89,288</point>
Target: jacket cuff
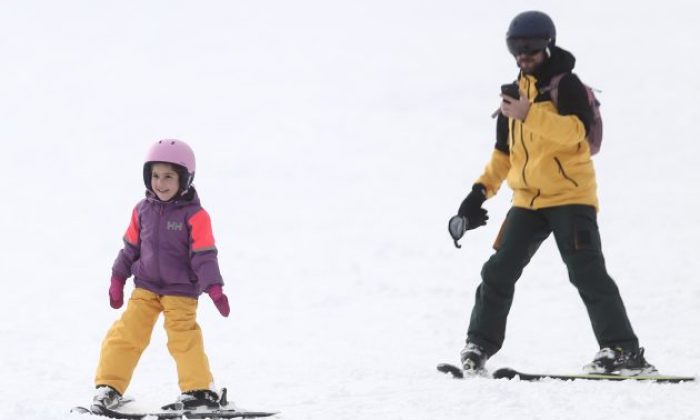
<point>119,276</point>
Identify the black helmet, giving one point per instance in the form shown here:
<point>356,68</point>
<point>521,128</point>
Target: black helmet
<point>530,31</point>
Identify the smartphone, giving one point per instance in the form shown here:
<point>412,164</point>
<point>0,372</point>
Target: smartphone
<point>511,89</point>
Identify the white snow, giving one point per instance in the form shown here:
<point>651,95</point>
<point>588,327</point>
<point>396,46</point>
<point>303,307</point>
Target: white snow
<point>334,140</point>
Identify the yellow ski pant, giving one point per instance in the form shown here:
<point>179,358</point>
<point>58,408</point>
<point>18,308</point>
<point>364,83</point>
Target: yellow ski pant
<point>130,335</point>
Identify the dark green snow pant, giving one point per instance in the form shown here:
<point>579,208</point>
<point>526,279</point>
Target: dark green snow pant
<point>576,232</point>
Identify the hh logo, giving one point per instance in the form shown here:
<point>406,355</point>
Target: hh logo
<point>174,226</point>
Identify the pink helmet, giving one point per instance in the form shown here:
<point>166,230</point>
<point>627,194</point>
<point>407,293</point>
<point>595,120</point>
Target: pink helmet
<point>175,152</point>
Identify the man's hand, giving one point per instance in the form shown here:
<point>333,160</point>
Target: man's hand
<point>471,207</point>
<point>515,108</point>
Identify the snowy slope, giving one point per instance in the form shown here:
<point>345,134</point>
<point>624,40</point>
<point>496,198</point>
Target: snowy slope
<point>334,140</point>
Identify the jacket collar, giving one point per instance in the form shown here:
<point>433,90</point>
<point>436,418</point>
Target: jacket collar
<point>559,61</point>
<point>190,197</point>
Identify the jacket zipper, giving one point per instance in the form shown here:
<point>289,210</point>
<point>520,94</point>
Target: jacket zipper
<point>160,221</point>
<point>522,140</point>
<point>561,170</point>
<point>527,153</point>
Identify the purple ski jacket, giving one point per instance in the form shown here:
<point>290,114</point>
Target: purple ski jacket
<point>169,247</point>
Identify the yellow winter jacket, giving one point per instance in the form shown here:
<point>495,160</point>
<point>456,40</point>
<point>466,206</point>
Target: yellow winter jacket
<point>548,161</point>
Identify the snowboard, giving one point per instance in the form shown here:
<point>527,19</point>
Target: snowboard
<point>508,373</point>
<point>175,414</point>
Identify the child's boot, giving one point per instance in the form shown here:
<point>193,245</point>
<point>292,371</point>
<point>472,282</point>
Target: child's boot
<point>196,399</point>
<point>105,397</point>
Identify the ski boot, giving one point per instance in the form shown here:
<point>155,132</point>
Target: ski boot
<point>618,361</point>
<point>105,397</point>
<point>197,400</point>
<point>473,359</point>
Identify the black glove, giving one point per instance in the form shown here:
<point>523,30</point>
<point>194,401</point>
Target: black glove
<point>471,207</point>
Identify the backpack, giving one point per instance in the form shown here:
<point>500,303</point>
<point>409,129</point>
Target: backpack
<point>595,131</point>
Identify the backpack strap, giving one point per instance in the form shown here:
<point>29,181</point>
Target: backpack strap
<point>553,87</point>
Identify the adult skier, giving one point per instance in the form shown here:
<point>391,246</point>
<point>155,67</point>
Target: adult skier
<point>542,152</point>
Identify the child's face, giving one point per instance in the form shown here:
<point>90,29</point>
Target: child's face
<point>165,182</point>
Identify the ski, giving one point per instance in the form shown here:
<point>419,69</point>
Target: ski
<point>508,373</point>
<point>175,415</point>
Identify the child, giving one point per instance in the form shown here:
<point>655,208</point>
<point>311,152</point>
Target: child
<point>169,248</point>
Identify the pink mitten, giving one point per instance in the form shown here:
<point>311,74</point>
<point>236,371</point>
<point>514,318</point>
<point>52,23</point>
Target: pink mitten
<point>116,292</point>
<point>220,300</point>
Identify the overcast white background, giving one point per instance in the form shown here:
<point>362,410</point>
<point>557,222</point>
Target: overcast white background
<point>334,140</point>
